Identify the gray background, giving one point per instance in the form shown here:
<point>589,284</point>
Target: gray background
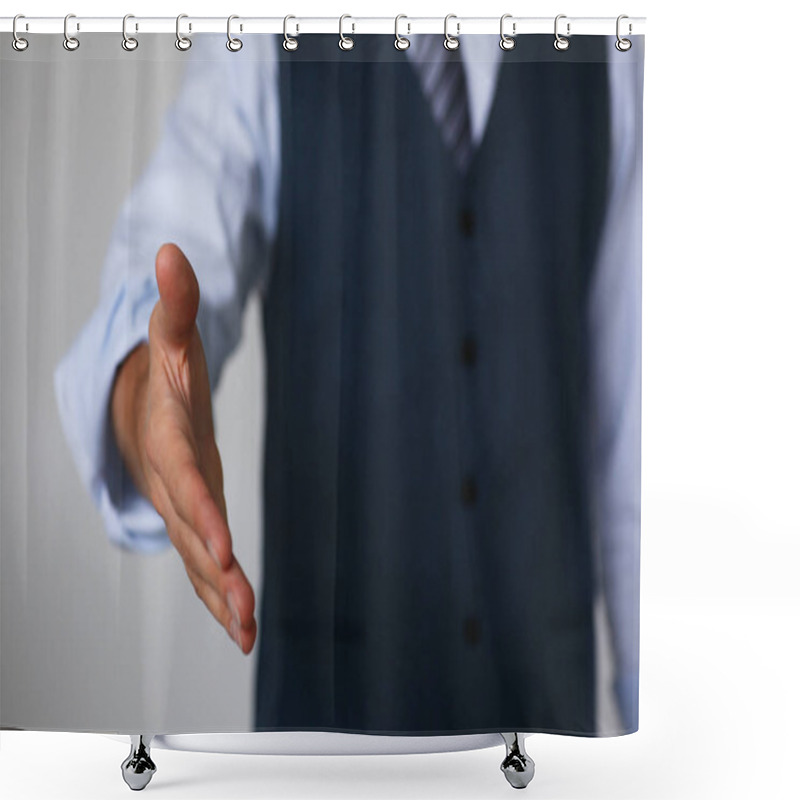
<point>94,638</point>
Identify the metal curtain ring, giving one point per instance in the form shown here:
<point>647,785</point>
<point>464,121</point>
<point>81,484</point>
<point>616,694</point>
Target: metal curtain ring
<point>234,45</point>
<point>18,43</point>
<point>560,42</point>
<point>400,42</point>
<point>345,42</point>
<point>451,42</point>
<point>182,42</point>
<point>507,42</point>
<point>70,42</point>
<point>288,42</point>
<point>129,43</point>
<point>623,44</point>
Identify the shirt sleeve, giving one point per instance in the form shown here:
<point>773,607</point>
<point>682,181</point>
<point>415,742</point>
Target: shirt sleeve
<point>210,187</point>
<point>615,329</point>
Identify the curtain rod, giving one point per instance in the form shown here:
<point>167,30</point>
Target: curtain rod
<point>298,25</point>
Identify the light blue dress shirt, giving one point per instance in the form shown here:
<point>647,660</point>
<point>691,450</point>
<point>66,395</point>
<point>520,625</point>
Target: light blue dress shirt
<point>215,168</point>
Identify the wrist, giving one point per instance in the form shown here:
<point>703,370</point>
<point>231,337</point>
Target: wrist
<point>128,408</point>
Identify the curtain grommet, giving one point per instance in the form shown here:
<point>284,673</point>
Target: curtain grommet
<point>183,43</point>
<point>401,42</point>
<point>623,45</point>
<point>233,44</point>
<point>561,43</point>
<point>70,43</point>
<point>451,42</point>
<point>507,42</point>
<point>18,42</point>
<point>289,42</point>
<point>345,42</point>
<point>129,43</point>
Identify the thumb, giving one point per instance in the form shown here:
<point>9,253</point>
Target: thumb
<point>174,316</point>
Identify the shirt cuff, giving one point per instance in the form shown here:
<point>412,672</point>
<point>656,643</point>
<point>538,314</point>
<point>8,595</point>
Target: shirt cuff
<point>83,380</point>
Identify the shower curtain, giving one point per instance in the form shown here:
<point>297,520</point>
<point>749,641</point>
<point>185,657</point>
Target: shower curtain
<point>320,379</point>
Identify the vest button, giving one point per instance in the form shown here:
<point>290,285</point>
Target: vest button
<point>466,222</point>
<point>469,491</point>
<point>469,350</point>
<point>472,630</point>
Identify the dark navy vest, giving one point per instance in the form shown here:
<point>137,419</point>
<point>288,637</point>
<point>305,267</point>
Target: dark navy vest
<point>427,550</point>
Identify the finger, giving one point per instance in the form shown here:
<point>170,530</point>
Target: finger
<point>244,634</point>
<point>190,546</point>
<point>174,316</point>
<point>230,584</point>
<point>239,594</point>
<point>212,470</point>
<point>232,590</point>
<point>175,464</point>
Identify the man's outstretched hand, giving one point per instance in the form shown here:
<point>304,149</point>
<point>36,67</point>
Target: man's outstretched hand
<point>162,420</point>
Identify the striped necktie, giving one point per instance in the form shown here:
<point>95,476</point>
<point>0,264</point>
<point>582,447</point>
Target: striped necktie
<point>441,73</point>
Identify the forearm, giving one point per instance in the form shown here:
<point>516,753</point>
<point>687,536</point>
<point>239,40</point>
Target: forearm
<point>128,408</point>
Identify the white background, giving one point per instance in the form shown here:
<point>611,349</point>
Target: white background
<point>720,604</point>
